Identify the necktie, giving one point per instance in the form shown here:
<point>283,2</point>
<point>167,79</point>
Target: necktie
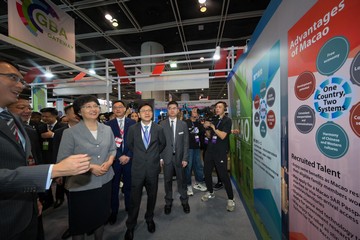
<point>121,125</point>
<point>173,134</point>
<point>5,115</point>
<point>146,139</point>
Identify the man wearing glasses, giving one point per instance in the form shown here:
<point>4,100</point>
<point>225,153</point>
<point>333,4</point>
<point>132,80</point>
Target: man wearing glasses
<point>19,182</point>
<point>146,140</point>
<point>122,163</point>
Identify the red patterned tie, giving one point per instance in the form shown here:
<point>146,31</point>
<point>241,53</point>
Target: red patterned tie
<point>5,115</point>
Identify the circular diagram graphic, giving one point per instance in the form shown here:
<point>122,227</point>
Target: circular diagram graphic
<point>263,109</point>
<point>332,98</point>
<point>257,119</point>
<point>304,85</point>
<point>271,119</point>
<point>304,119</point>
<point>332,140</point>
<point>263,129</point>
<point>355,70</point>
<point>256,102</point>
<point>270,97</point>
<point>332,55</point>
<point>355,119</point>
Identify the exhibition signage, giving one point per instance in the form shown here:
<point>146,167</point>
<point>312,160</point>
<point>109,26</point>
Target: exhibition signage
<point>324,122</point>
<point>42,25</point>
<point>267,140</point>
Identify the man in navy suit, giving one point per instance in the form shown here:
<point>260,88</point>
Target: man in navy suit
<point>146,140</point>
<point>122,163</point>
<point>19,182</point>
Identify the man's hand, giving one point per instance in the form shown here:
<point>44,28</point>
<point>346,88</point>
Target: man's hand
<point>40,207</point>
<point>73,165</point>
<point>124,159</point>
<point>48,134</point>
<point>184,163</point>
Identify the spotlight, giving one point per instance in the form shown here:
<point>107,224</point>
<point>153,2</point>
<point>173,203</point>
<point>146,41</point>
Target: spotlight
<point>173,64</point>
<point>114,23</point>
<point>217,53</point>
<point>203,8</point>
<point>108,17</point>
<point>202,1</point>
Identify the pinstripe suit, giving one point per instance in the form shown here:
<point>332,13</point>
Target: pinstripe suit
<point>19,185</point>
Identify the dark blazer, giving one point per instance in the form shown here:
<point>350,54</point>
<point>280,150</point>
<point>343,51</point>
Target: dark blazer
<point>47,155</point>
<point>116,131</point>
<point>146,162</point>
<point>35,144</point>
<point>19,184</point>
<point>57,139</point>
<point>181,142</point>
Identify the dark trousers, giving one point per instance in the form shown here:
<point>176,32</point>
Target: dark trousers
<point>121,172</point>
<point>169,170</point>
<point>151,186</point>
<point>60,191</point>
<point>218,160</point>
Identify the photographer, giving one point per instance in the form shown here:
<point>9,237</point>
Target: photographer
<point>217,132</point>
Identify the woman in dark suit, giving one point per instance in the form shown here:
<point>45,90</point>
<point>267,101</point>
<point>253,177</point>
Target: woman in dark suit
<point>89,193</point>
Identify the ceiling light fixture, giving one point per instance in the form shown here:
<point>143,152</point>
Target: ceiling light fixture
<point>202,1</point>
<point>108,17</point>
<point>202,59</point>
<point>114,22</point>
<point>217,53</point>
<point>173,64</point>
<point>203,7</point>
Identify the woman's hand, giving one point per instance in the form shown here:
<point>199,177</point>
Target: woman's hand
<point>97,170</point>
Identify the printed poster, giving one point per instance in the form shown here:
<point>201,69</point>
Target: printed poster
<point>267,140</point>
<point>324,122</point>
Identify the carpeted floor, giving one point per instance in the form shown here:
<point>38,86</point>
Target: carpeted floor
<point>206,221</point>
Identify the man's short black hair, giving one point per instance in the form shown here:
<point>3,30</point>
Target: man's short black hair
<point>67,108</point>
<point>222,102</point>
<point>173,103</point>
<point>50,110</point>
<point>145,104</point>
<point>11,63</point>
<point>120,101</point>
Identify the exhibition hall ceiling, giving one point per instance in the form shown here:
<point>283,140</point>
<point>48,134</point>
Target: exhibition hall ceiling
<point>178,25</point>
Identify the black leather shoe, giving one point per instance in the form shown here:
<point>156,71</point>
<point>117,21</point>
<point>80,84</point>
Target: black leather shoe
<point>58,203</point>
<point>66,234</point>
<point>112,219</point>
<point>151,226</point>
<point>186,207</point>
<point>167,209</point>
<point>129,235</point>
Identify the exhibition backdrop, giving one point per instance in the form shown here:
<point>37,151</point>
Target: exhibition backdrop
<point>298,85</point>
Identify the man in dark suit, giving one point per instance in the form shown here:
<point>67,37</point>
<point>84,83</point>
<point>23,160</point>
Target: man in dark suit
<point>46,129</point>
<point>23,110</point>
<point>175,157</point>
<point>146,140</point>
<point>122,163</point>
<point>19,183</point>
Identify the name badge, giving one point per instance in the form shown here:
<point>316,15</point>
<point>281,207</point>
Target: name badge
<point>118,141</point>
<point>197,139</point>
<point>206,140</point>
<point>45,145</point>
<point>214,138</point>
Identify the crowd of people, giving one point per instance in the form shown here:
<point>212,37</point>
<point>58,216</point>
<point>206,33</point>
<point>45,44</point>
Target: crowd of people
<point>87,154</point>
